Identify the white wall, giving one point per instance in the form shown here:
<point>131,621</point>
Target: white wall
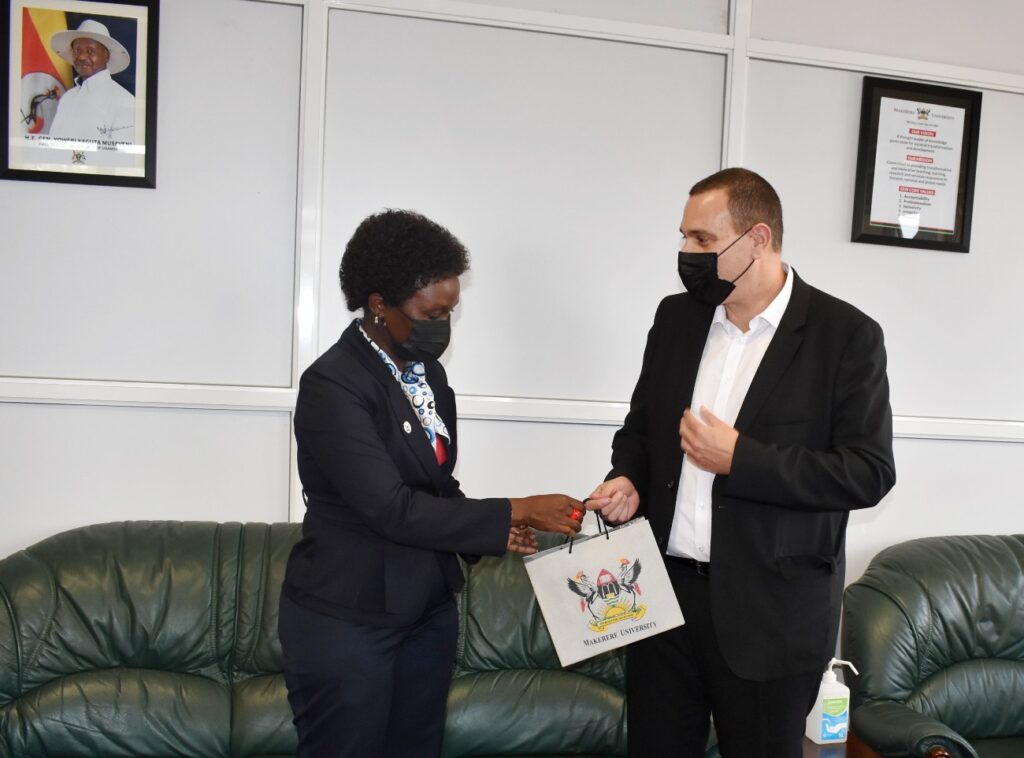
<point>161,299</point>
<point>150,372</point>
<point>943,313</point>
<point>191,282</point>
<point>66,465</point>
<point>546,158</point>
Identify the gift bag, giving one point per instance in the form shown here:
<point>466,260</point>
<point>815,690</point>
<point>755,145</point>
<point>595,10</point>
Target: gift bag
<point>603,591</point>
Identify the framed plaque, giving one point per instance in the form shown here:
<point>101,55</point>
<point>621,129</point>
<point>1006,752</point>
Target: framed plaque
<point>78,84</point>
<point>915,165</point>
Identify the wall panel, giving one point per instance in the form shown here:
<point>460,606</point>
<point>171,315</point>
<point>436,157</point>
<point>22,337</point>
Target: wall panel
<point>561,163</point>
<point>63,466</point>
<point>192,281</point>
<point>514,459</point>
<point>698,15</point>
<point>944,314</point>
<point>981,34</point>
<point>943,487</point>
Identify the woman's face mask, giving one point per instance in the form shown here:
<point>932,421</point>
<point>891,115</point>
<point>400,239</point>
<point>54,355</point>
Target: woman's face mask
<point>427,340</point>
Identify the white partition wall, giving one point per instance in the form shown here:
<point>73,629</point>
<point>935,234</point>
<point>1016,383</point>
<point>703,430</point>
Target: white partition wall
<point>944,314</point>
<point>63,466</point>
<point>703,15</point>
<point>981,35</point>
<point>557,160</point>
<point>151,341</point>
<point>146,347</point>
<point>191,282</point>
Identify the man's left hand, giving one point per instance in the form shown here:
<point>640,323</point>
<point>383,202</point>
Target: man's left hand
<point>707,441</point>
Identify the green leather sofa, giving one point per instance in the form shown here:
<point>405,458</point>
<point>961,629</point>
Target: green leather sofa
<point>936,628</point>
<point>160,639</point>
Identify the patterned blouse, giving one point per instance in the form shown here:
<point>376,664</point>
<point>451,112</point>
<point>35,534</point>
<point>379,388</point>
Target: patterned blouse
<point>413,382</point>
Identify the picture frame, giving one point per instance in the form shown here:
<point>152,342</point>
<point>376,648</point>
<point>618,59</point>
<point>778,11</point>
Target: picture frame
<point>916,162</point>
<point>78,85</point>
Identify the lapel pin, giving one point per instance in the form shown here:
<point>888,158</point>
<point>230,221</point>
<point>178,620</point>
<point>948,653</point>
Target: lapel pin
<point>407,427</point>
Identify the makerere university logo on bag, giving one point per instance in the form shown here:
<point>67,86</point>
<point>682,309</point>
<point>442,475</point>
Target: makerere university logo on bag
<point>591,595</point>
<point>613,599</point>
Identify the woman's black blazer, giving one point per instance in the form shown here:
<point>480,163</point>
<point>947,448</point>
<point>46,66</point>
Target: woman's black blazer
<point>383,520</point>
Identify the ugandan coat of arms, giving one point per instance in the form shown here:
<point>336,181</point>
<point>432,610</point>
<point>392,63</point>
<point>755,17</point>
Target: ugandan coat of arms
<point>613,598</point>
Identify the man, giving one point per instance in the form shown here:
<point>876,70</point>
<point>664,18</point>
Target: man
<point>760,419</point>
<point>97,107</point>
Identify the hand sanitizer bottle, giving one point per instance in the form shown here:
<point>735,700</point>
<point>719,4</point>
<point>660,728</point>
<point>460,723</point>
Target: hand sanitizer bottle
<point>829,719</point>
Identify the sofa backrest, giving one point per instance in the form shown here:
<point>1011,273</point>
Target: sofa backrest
<point>145,638</point>
<point>261,722</point>
<point>160,638</point>
<point>938,624</point>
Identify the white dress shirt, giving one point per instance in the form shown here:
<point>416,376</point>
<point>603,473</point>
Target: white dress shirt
<point>727,367</point>
<point>97,108</point>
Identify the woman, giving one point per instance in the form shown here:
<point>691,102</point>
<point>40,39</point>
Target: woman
<point>368,621</point>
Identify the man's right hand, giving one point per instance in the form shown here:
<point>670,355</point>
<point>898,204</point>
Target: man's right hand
<point>549,513</point>
<point>617,499</point>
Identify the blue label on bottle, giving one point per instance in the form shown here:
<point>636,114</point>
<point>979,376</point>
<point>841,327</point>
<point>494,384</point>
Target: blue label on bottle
<point>833,728</point>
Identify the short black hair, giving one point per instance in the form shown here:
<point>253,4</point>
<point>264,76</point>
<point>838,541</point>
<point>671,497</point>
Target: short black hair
<point>396,253</point>
<point>752,200</point>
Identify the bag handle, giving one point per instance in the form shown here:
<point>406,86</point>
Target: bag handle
<point>602,528</point>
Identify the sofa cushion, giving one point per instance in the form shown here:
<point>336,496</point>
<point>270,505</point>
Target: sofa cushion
<point>121,713</point>
<point>261,719</point>
<point>510,696</point>
<point>534,712</point>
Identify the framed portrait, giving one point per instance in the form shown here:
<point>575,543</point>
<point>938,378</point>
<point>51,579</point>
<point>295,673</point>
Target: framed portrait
<point>79,91</point>
<point>915,165</point>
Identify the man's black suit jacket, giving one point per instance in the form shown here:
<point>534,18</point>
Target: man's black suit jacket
<point>383,520</point>
<point>815,441</point>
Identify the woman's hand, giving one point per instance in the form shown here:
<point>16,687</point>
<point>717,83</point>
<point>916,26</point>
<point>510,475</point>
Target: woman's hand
<point>549,513</point>
<point>521,539</point>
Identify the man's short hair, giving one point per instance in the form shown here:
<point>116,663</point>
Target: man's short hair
<point>752,200</point>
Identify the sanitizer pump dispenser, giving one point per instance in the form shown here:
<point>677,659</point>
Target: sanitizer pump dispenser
<point>829,719</point>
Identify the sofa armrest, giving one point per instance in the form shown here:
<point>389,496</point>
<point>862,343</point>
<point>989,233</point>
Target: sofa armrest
<point>893,729</point>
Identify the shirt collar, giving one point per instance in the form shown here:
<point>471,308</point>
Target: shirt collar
<point>771,315</point>
<point>777,308</point>
<point>95,80</point>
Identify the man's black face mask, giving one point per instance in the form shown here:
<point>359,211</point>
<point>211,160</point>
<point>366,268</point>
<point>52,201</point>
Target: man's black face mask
<point>699,272</point>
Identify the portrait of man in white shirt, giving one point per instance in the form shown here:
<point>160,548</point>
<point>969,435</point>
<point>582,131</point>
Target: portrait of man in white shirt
<point>97,108</point>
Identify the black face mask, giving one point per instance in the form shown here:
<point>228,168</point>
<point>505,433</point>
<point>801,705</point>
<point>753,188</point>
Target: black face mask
<point>427,340</point>
<point>699,272</point>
